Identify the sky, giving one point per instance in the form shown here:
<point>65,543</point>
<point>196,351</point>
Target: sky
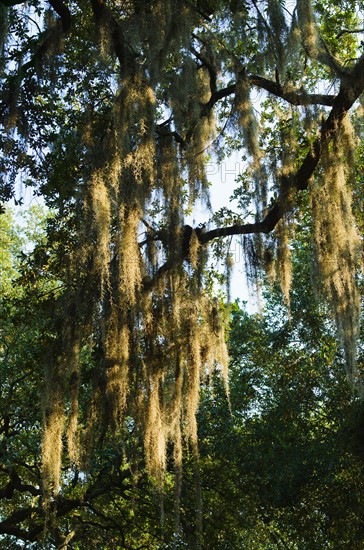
<point>222,177</point>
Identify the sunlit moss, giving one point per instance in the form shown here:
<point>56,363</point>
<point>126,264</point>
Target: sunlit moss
<point>337,243</point>
<point>157,332</point>
<point>246,118</point>
<point>306,21</point>
<point>154,343</point>
<point>284,261</point>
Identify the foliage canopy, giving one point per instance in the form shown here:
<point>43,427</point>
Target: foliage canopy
<point>110,111</point>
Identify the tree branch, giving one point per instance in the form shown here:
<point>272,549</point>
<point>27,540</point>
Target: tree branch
<point>15,484</point>
<point>348,94</point>
<point>210,68</point>
<point>64,14</point>
<point>124,53</point>
<point>294,97</point>
<point>348,31</point>
<point>46,41</point>
<point>351,88</point>
<point>104,484</point>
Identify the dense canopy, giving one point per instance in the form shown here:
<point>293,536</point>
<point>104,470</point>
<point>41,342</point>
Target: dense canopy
<point>110,111</point>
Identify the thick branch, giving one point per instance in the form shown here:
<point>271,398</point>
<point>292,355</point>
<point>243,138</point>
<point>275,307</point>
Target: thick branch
<point>63,12</point>
<point>350,90</point>
<point>348,31</point>
<point>126,56</point>
<point>300,181</point>
<point>61,507</point>
<point>15,484</point>
<point>210,68</point>
<point>10,526</point>
<point>294,97</point>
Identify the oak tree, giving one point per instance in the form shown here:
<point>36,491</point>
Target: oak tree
<point>110,110</point>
